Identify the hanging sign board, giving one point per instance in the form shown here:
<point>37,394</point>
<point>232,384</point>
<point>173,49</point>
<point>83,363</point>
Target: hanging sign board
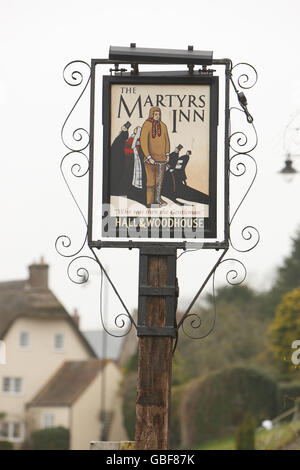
<point>159,162</point>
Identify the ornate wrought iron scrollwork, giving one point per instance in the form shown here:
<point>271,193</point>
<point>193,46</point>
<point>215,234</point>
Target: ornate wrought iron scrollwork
<point>75,164</point>
<point>246,80</point>
<point>241,145</point>
<point>77,170</point>
<point>73,76</point>
<point>193,322</point>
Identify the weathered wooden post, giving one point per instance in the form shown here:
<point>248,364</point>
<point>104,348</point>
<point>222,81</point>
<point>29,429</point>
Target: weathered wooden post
<point>156,331</point>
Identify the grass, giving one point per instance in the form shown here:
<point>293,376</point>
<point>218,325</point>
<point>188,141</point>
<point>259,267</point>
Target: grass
<point>227,443</point>
<point>275,439</point>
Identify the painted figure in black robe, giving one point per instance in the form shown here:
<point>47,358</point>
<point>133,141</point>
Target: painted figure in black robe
<point>169,181</point>
<point>127,174</point>
<point>117,163</point>
<point>175,185</point>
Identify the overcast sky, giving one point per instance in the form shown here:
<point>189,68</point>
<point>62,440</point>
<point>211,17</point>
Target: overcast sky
<point>38,38</point>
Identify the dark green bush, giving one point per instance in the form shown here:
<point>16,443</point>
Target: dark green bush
<point>6,445</point>
<point>245,434</point>
<point>177,395</point>
<point>51,439</point>
<point>214,406</point>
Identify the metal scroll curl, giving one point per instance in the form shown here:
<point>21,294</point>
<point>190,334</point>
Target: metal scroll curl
<point>239,166</point>
<point>244,140</point>
<point>245,75</point>
<point>76,73</point>
<point>194,324</point>
<point>75,164</point>
<point>79,273</point>
<point>241,143</point>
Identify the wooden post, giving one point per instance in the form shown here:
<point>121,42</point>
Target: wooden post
<point>154,365</point>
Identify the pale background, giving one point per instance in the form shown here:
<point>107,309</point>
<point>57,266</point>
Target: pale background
<point>38,38</point>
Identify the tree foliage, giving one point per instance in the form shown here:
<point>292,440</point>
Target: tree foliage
<point>285,329</point>
<point>287,278</point>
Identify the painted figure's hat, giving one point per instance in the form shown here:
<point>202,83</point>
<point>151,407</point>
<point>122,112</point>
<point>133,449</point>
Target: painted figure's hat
<point>179,147</point>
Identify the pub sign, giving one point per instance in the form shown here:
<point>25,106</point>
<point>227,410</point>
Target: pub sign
<point>158,165</point>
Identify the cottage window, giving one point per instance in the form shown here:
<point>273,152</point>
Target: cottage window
<point>12,431</point>
<point>48,420</point>
<point>16,430</point>
<point>12,385</point>
<point>24,339</point>
<point>4,429</point>
<point>17,385</point>
<point>58,341</point>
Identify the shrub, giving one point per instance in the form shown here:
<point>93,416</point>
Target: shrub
<point>51,439</point>
<point>177,394</point>
<point>213,407</point>
<point>6,445</point>
<point>245,434</point>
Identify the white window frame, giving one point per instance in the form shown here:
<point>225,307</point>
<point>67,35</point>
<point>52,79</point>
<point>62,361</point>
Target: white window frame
<point>24,346</point>
<point>10,437</point>
<point>20,381</point>
<point>60,348</point>
<point>12,381</point>
<point>48,416</point>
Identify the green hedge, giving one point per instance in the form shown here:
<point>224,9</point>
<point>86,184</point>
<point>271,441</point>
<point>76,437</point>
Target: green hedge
<point>177,395</point>
<point>51,439</point>
<point>214,406</point>
<point>6,445</point>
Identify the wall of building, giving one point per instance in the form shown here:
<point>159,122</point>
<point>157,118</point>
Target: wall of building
<point>86,410</point>
<point>35,417</point>
<point>37,363</point>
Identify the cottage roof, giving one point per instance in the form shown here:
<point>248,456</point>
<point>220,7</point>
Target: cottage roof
<point>33,299</point>
<point>68,383</point>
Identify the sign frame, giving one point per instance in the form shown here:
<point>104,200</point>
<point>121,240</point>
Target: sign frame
<point>161,77</point>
